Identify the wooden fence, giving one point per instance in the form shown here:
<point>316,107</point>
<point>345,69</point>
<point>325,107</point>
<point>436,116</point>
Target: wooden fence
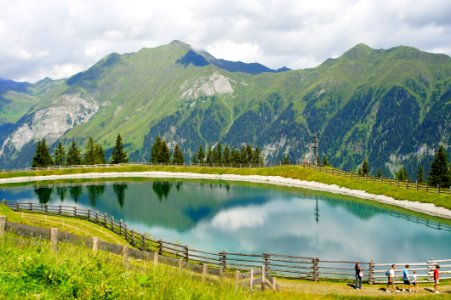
<point>326,169</point>
<point>280,265</point>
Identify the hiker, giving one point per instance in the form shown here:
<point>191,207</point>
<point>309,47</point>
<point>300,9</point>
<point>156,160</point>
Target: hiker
<point>405,277</point>
<point>358,276</point>
<point>436,278</point>
<point>414,281</point>
<point>391,278</point>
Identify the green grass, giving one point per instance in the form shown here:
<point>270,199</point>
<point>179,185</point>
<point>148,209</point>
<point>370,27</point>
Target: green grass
<point>29,270</point>
<point>296,172</point>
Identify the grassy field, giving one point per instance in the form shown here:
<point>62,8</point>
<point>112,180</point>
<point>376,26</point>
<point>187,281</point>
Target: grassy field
<point>295,172</point>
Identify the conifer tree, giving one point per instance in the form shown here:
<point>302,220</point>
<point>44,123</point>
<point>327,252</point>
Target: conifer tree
<point>217,154</point>
<point>235,157</point>
<point>201,154</point>
<point>73,155</point>
<point>256,156</point>
<point>90,153</point>
<point>42,157</point>
<point>420,174</point>
<point>194,159</point>
<point>99,157</point>
<point>401,175</point>
<point>286,160</point>
<point>243,155</point>
<point>365,167</point>
<point>325,162</point>
<point>60,155</point>
<point>156,151</point>
<point>249,153</point>
<point>227,155</point>
<point>119,156</point>
<point>165,155</point>
<point>178,156</point>
<point>439,173</point>
<point>209,157</point>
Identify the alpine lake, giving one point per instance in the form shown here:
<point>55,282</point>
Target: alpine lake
<point>254,218</point>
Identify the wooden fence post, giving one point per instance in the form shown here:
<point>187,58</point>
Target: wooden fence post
<point>143,242</point>
<point>75,211</point>
<point>120,227</point>
<point>46,209</point>
<point>186,254</point>
<point>237,278</point>
<point>221,273</point>
<point>105,219</point>
<point>315,269</point>
<point>95,244</point>
<point>155,258</point>
<point>204,271</point>
<point>89,214</point>
<point>54,239</point>
<point>97,216</point>
<point>263,277</point>
<point>251,281</point>
<point>112,223</point>
<point>2,225</point>
<point>125,256</point>
<point>160,247</point>
<point>266,260</point>
<point>274,283</point>
<point>223,259</point>
<point>438,188</point>
<point>180,264</point>
<point>60,210</point>
<point>371,272</point>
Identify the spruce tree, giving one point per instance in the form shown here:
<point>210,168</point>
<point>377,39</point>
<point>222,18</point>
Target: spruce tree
<point>90,153</point>
<point>156,151</point>
<point>60,155</point>
<point>243,155</point>
<point>365,167</point>
<point>325,161</point>
<point>119,156</point>
<point>420,174</point>
<point>227,155</point>
<point>401,175</point>
<point>439,173</point>
<point>73,155</point>
<point>256,156</point>
<point>235,157</point>
<point>42,157</point>
<point>165,155</point>
<point>178,156</point>
<point>201,154</point>
<point>99,155</point>
<point>209,156</point>
<point>249,153</point>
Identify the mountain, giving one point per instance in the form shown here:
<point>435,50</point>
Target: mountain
<point>392,106</point>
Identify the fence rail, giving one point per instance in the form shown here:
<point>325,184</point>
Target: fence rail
<point>425,187</point>
<point>280,265</point>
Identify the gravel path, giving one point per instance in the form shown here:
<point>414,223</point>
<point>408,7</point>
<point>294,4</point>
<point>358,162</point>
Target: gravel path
<point>426,208</point>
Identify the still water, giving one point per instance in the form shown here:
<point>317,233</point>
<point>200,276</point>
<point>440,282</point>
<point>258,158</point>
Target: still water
<point>250,218</point>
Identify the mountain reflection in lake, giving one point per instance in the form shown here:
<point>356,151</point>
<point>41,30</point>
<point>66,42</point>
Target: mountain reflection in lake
<point>255,219</point>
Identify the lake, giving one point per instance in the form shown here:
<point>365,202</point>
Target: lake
<point>251,218</point>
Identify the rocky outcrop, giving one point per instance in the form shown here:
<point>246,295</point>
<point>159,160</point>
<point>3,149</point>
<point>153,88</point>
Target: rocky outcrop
<point>53,122</point>
<point>216,84</point>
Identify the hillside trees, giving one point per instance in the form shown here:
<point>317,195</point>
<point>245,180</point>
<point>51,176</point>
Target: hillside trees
<point>440,172</point>
<point>401,175</point>
<point>73,155</point>
<point>42,157</point>
<point>160,152</point>
<point>225,155</point>
<point>59,157</point>
<point>94,153</point>
<point>178,156</point>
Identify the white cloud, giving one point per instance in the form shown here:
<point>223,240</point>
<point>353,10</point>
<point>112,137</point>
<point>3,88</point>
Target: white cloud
<point>40,37</point>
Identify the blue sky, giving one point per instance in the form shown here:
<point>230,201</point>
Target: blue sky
<point>58,38</point>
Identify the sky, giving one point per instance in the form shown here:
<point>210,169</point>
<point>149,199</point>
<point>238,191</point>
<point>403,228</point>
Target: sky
<point>58,38</point>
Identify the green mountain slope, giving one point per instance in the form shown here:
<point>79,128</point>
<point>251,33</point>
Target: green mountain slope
<point>391,106</point>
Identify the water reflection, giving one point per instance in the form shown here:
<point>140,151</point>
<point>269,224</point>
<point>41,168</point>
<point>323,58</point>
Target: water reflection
<point>44,194</point>
<point>75,192</point>
<point>161,189</point>
<point>61,191</point>
<point>119,190</point>
<point>95,192</point>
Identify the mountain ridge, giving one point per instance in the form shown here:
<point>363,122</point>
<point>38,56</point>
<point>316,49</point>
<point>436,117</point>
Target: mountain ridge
<point>159,91</point>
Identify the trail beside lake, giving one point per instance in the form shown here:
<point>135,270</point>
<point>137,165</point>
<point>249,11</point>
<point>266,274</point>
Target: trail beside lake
<point>426,208</point>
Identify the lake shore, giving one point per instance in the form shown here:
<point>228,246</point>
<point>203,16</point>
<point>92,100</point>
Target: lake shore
<point>426,208</point>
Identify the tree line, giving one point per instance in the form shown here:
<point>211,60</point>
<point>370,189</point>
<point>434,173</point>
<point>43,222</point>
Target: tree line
<point>93,155</point>
<point>439,174</point>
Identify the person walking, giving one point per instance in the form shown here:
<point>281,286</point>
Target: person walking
<point>391,278</point>
<point>406,279</point>
<point>414,281</point>
<point>436,278</point>
<point>358,276</point>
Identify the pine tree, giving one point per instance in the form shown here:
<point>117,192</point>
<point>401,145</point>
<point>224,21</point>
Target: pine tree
<point>119,156</point>
<point>209,157</point>
<point>99,156</point>
<point>325,162</point>
<point>42,157</point>
<point>227,155</point>
<point>156,151</point>
<point>90,153</point>
<point>256,156</point>
<point>165,155</point>
<point>249,153</point>
<point>365,167</point>
<point>217,154</point>
<point>60,155</point>
<point>420,174</point>
<point>439,173</point>
<point>401,175</point>
<point>235,157</point>
<point>178,156</point>
<point>73,155</point>
<point>201,154</point>
<point>243,155</point>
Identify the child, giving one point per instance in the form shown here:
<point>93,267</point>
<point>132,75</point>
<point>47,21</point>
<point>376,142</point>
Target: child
<point>414,281</point>
<point>405,277</point>
<point>436,278</point>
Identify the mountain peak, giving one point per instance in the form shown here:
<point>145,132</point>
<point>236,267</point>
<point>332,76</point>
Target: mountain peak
<point>180,44</point>
<point>359,51</point>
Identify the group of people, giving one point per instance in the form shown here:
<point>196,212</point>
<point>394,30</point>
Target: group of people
<point>410,281</point>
